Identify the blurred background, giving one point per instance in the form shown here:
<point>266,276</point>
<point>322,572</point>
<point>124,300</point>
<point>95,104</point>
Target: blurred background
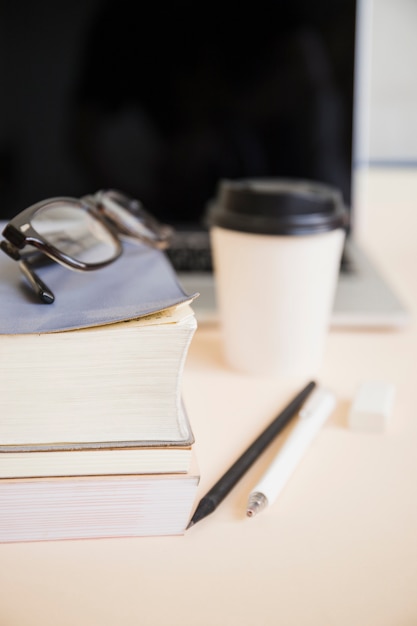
<point>161,100</point>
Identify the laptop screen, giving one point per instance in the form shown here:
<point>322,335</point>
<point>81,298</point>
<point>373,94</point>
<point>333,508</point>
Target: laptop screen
<point>162,101</point>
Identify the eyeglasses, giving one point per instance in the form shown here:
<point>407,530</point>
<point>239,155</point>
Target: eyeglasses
<point>81,234</point>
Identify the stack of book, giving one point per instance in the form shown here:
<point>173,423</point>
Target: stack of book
<point>95,440</point>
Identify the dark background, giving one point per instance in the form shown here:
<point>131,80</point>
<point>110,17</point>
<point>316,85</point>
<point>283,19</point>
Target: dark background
<point>161,100</point>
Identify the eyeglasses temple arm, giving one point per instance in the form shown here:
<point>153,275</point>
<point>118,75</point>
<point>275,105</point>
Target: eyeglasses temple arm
<point>42,291</point>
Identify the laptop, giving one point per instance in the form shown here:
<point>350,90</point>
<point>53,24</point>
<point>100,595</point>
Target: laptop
<point>165,104</point>
<point>364,297</point>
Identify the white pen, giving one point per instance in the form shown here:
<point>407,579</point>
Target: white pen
<point>312,416</point>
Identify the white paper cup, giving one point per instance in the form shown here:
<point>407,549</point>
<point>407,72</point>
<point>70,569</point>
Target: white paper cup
<point>276,291</point>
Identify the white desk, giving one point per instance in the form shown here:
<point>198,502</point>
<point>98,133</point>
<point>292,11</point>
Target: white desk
<point>340,544</point>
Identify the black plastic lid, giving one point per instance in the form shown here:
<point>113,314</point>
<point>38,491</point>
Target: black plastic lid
<point>277,207</point>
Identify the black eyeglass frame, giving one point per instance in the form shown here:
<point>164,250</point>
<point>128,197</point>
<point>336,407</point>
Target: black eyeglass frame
<point>19,233</point>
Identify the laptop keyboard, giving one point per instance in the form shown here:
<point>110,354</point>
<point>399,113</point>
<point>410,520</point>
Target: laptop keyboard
<point>190,252</point>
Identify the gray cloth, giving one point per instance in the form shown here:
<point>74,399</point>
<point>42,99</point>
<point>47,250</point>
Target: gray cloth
<point>140,282</point>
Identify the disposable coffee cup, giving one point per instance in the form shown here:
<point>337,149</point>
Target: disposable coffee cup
<point>277,247</point>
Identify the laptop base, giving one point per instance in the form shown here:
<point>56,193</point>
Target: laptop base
<point>363,297</point>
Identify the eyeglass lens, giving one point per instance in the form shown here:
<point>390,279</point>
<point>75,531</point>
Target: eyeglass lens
<point>76,233</point>
<point>132,219</point>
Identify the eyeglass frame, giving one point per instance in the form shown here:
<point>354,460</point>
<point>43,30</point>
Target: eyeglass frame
<point>19,233</point>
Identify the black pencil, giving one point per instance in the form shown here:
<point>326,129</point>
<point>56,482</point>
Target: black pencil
<point>219,491</point>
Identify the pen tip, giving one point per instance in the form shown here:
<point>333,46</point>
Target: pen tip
<point>256,503</point>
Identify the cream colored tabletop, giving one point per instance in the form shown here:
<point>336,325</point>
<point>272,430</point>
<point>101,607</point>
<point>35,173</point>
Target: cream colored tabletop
<point>338,547</point>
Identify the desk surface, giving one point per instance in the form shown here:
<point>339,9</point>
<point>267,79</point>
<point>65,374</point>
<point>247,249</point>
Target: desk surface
<point>340,544</point>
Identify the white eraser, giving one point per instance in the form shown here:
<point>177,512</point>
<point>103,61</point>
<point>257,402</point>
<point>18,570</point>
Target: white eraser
<point>371,407</point>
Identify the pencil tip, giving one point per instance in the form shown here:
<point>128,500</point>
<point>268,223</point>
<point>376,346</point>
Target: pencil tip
<point>205,507</point>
